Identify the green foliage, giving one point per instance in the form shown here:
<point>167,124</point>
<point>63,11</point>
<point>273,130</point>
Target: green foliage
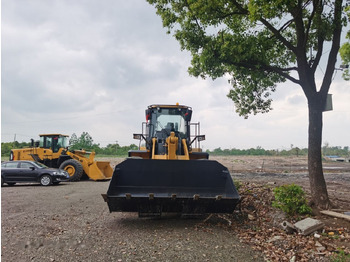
<point>345,50</point>
<point>116,149</point>
<point>73,140</point>
<point>258,43</point>
<point>6,147</point>
<point>238,184</point>
<point>85,141</point>
<point>237,152</point>
<point>345,55</point>
<point>340,257</point>
<point>336,151</point>
<point>291,200</point>
<point>294,151</point>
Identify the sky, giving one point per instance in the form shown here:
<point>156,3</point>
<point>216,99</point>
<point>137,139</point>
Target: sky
<point>94,66</point>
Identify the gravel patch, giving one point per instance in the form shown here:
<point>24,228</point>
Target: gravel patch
<point>71,222</point>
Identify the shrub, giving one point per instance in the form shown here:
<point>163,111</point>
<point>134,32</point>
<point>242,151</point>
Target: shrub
<point>291,200</point>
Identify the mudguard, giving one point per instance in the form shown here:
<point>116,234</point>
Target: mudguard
<point>151,187</point>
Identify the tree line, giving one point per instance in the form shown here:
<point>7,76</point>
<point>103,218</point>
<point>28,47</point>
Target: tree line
<point>85,141</point>
<point>294,151</point>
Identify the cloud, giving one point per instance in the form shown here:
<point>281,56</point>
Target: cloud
<point>75,66</point>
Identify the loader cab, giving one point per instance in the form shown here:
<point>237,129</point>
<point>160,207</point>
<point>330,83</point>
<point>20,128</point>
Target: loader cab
<point>169,134</point>
<point>53,142</point>
<point>162,120</point>
<point>166,120</point>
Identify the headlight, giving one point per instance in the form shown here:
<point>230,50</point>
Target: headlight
<point>54,172</point>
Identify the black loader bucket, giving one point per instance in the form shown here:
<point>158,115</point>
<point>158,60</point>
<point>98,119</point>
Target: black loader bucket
<point>151,187</point>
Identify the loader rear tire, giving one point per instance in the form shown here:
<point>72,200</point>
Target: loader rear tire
<point>74,169</point>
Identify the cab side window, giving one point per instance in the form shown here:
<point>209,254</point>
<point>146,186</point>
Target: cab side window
<point>48,142</point>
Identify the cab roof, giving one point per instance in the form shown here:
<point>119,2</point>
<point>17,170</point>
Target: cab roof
<point>53,135</point>
<point>168,106</point>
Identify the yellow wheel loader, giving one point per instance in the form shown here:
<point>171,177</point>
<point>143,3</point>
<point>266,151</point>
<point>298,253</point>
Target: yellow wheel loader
<point>52,150</point>
<point>170,173</point>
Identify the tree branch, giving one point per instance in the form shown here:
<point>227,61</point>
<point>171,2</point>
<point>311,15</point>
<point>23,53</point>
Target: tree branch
<point>320,39</point>
<point>278,35</point>
<point>285,25</point>
<point>320,42</point>
<point>332,58</point>
<point>270,27</point>
<point>282,72</point>
<point>308,26</point>
<point>240,7</point>
<point>254,65</point>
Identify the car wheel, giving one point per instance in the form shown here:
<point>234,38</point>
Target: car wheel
<point>45,180</point>
<point>74,168</point>
<point>11,184</point>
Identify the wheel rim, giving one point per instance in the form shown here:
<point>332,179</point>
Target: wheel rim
<point>70,170</point>
<point>45,180</point>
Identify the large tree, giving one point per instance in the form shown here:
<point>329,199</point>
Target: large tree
<point>261,43</point>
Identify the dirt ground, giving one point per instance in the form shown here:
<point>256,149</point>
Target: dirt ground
<point>288,170</point>
<point>71,222</point>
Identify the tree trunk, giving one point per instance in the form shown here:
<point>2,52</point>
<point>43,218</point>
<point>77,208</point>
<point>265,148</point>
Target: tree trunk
<point>318,186</point>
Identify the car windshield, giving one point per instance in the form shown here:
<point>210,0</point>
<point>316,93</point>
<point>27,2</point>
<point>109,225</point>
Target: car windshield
<point>39,165</point>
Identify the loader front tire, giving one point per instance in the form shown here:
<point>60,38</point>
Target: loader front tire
<point>74,169</point>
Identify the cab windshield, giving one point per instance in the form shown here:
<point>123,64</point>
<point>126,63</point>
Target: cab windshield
<point>170,120</point>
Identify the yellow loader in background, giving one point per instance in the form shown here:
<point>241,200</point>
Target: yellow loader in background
<point>52,150</point>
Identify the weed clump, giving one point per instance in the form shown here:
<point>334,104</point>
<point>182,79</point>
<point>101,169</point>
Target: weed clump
<point>291,200</point>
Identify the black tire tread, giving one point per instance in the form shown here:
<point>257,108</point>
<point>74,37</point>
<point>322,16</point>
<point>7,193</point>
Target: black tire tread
<point>78,169</point>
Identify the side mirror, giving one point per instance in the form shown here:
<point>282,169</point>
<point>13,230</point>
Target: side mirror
<point>138,136</point>
<point>201,138</point>
<point>32,168</point>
